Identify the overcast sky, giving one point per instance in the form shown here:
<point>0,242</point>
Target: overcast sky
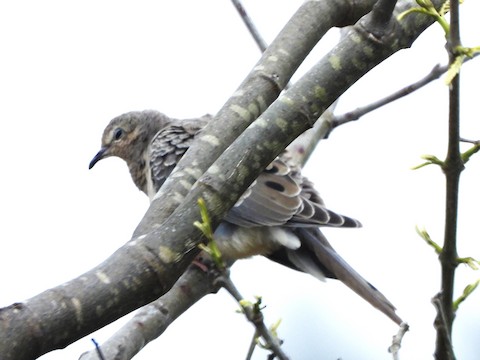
<point>67,68</point>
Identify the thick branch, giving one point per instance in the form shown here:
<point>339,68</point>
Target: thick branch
<point>153,319</point>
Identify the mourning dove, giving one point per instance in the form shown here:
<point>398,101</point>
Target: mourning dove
<point>278,216</point>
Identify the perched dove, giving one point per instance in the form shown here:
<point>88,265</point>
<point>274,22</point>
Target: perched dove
<point>278,216</point>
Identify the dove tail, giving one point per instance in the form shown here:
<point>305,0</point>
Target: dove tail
<point>336,267</point>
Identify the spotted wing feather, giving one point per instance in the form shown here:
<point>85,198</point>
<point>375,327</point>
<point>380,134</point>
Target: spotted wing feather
<point>281,196</point>
<point>167,148</point>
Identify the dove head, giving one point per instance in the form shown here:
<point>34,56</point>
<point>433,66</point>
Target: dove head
<point>127,136</point>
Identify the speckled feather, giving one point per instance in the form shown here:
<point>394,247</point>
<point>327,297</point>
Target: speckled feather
<point>168,146</point>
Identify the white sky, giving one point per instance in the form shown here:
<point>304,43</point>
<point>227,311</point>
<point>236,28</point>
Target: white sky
<point>67,68</point>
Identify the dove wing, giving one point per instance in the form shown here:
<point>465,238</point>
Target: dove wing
<point>281,196</point>
<point>168,146</point>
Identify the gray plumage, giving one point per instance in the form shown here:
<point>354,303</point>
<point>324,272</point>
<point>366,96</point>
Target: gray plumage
<point>278,216</point>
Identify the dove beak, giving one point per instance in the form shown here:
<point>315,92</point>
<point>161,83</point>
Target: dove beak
<point>100,155</point>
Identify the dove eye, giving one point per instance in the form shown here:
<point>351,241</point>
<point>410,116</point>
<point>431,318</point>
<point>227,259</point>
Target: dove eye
<point>118,133</point>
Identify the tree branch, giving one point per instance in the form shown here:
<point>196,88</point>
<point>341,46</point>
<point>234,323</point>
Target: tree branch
<point>353,115</point>
<point>255,316</point>
<point>356,114</point>
<point>381,15</point>
<point>153,319</point>
<point>262,45</point>
<point>394,349</point>
<point>452,168</point>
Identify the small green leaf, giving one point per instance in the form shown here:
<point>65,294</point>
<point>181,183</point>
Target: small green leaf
<point>427,8</point>
<point>471,51</point>
<point>425,236</point>
<point>469,261</point>
<point>426,4</point>
<point>431,160</point>
<point>245,303</point>
<point>469,289</point>
<point>468,154</point>
<point>274,327</point>
<point>411,11</point>
<point>205,227</point>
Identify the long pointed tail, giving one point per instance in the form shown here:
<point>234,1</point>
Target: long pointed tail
<point>329,260</point>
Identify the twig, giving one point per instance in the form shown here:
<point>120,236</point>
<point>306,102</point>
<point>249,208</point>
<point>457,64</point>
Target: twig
<point>353,115</point>
<point>222,278</point>
<point>255,317</point>
<point>250,25</point>
<point>253,345</point>
<point>474,142</point>
<point>262,45</point>
<point>397,341</point>
<point>469,289</point>
<point>98,350</point>
<point>441,327</point>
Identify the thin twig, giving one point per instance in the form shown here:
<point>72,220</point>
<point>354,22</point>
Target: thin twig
<point>262,45</point>
<point>474,142</point>
<point>250,25</point>
<point>222,278</point>
<point>255,317</point>
<point>441,327</point>
<point>394,349</point>
<point>98,350</point>
<point>253,345</point>
<point>353,115</point>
